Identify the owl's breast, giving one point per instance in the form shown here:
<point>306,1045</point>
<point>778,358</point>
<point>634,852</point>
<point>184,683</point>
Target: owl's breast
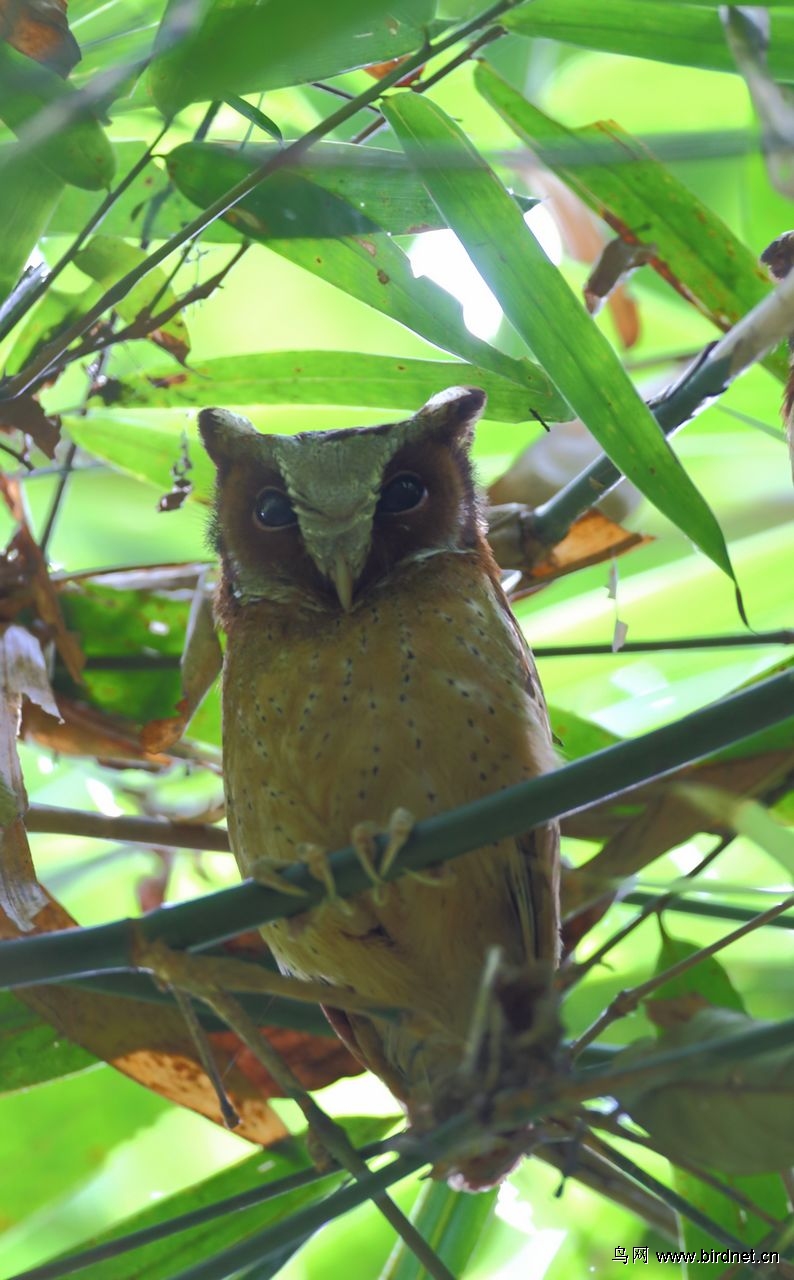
<point>419,698</point>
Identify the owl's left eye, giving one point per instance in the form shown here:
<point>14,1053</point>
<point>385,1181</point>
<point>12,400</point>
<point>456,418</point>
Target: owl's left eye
<point>404,492</point>
<point>273,509</point>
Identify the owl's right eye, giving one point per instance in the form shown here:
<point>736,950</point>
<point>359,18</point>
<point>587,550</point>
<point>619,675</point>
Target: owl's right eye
<point>273,510</point>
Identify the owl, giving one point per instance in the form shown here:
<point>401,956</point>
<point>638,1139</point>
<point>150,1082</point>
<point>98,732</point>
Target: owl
<point>373,664</point>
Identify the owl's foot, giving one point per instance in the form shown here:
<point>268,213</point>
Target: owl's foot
<point>364,841</point>
<point>266,872</point>
<point>315,858</point>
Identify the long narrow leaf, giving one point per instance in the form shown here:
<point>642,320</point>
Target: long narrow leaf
<point>549,318</point>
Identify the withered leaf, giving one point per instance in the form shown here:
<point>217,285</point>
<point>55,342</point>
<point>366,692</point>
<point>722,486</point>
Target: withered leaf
<point>26,414</point>
<point>40,29</point>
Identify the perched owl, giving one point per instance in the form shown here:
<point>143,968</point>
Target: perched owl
<point>373,662</point>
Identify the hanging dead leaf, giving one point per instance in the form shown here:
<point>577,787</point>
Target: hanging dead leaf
<point>36,588</point>
<point>23,676</point>
<point>616,262</point>
<point>380,69</point>
<point>86,731</point>
<point>201,664</point>
<point>150,1043</point>
<point>40,29</point>
<point>26,414</point>
<point>315,1060</point>
<point>625,316</point>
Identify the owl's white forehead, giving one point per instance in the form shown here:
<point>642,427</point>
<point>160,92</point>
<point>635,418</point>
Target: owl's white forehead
<point>323,468</point>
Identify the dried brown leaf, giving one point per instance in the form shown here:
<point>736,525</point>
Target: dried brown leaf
<point>40,29</point>
<point>26,414</point>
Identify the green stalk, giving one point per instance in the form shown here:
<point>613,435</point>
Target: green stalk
<point>200,923</point>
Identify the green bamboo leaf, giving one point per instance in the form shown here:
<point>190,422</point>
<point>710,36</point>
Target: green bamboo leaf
<point>370,267</point>
<point>145,445</point>
<point>244,47</point>
<point>377,190</point>
<point>28,194</point>
<point>167,1253</point>
<point>56,1121</point>
<point>549,318</point>
<point>684,33</point>
<point>31,1051</point>
<point>76,148</point>
<point>340,377</point>
<point>707,978</point>
<point>106,259</point>
<point>643,201</point>
<point>451,1222</point>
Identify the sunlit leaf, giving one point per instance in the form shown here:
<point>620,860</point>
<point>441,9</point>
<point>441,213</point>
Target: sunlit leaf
<point>619,178</point>
<point>545,312</point>
<point>245,47</point>
<point>690,35</point>
<point>340,377</point>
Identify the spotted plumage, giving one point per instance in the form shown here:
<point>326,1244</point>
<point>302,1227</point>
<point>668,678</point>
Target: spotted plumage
<point>373,662</point>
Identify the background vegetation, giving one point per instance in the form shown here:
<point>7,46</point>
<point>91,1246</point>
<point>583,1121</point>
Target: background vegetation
<point>113,333</point>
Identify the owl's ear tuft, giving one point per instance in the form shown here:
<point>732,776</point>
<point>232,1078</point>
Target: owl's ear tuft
<point>454,413</point>
<point>227,436</point>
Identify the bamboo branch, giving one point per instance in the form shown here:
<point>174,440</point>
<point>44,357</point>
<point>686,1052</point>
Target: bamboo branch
<point>201,922</point>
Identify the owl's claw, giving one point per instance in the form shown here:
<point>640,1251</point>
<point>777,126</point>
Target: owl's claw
<point>266,872</point>
<point>401,824</point>
<point>363,840</point>
<point>315,859</point>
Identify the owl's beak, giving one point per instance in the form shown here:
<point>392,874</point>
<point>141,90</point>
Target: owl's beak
<point>342,578</point>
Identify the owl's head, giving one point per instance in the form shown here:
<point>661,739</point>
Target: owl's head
<point>322,517</point>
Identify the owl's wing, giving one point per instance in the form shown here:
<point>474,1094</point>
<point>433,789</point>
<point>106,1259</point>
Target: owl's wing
<point>537,891</point>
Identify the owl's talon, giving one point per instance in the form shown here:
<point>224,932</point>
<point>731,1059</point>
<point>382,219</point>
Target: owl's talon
<point>315,859</point>
<point>365,847</point>
<point>266,872</point>
<point>401,824</point>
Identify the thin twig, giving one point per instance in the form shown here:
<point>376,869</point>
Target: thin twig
<point>230,1117</point>
<point>90,226</point>
<point>709,909</point>
<point>146,831</point>
<point>746,640</point>
<point>598,1120</point>
<point>574,973</point>
<point>486,37</point>
<point>332,1136</point>
<point>627,1001</point>
<point>710,375</point>
<point>341,93</point>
